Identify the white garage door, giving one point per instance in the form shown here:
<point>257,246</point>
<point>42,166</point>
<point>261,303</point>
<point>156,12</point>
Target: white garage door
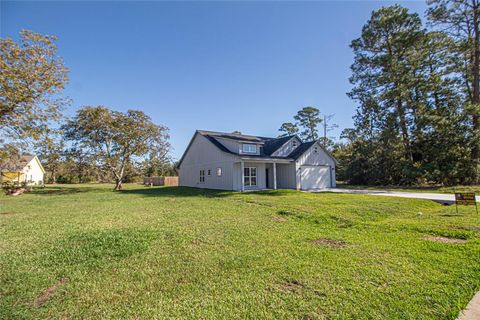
<point>315,177</point>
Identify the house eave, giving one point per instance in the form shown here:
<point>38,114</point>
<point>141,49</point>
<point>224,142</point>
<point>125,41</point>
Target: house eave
<point>266,159</point>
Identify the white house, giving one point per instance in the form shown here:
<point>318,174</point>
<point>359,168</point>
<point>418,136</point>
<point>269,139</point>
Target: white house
<point>229,161</point>
<point>27,169</point>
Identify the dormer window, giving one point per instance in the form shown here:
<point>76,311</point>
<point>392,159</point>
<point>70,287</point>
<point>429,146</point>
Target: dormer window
<point>249,148</point>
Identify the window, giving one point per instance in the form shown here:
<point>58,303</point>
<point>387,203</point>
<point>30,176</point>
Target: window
<point>209,172</point>
<point>250,176</point>
<point>315,149</point>
<point>202,176</point>
<point>219,172</point>
<point>294,143</point>
<point>249,148</point>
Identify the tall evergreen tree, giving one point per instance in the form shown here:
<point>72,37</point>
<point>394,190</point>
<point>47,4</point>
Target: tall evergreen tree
<point>460,19</point>
<point>288,129</point>
<point>309,119</point>
<point>381,67</point>
<point>410,117</point>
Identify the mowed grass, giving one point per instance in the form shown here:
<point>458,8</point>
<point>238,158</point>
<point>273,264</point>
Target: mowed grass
<point>186,253</point>
<point>426,189</point>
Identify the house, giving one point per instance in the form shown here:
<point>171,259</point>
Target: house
<point>230,161</point>
<point>26,169</point>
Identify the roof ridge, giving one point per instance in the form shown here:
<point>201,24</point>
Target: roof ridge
<point>209,132</point>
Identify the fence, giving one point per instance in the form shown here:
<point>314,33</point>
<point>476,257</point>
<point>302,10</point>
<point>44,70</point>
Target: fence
<point>160,181</point>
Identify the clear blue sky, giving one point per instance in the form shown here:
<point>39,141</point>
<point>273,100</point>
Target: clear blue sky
<point>222,66</point>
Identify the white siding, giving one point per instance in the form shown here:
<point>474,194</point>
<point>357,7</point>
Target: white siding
<point>204,155</point>
<point>286,176</point>
<point>287,148</point>
<point>33,172</point>
<point>310,157</point>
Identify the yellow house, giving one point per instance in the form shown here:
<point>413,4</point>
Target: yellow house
<point>27,169</point>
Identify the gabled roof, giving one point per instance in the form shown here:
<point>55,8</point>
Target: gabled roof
<point>269,145</point>
<point>17,165</point>
<point>273,144</point>
<point>301,149</point>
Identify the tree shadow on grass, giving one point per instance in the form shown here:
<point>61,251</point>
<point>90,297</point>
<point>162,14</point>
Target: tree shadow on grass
<point>197,192</point>
<point>56,190</point>
<point>177,192</point>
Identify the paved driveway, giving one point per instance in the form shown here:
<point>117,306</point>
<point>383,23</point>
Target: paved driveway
<point>444,198</point>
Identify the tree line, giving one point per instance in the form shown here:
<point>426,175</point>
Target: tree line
<point>417,89</point>
<point>416,86</point>
<point>97,144</point>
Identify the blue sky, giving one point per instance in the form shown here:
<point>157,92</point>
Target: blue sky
<point>225,66</point>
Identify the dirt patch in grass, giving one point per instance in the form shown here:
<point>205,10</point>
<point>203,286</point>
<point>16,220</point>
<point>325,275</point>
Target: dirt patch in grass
<point>329,243</point>
<point>279,219</point>
<point>199,242</point>
<point>47,293</point>
<point>291,286</point>
<point>5,213</point>
<point>444,239</point>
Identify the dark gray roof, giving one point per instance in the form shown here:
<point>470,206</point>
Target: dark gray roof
<point>272,145</point>
<point>269,145</point>
<point>233,136</point>
<point>17,164</point>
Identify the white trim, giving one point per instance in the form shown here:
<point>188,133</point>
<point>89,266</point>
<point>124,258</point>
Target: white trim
<point>250,176</point>
<point>266,160</point>
<point>275,176</point>
<point>242,184</point>
<point>243,145</point>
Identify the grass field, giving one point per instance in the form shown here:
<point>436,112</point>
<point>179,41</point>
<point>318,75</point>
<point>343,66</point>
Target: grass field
<point>427,189</point>
<point>185,253</point>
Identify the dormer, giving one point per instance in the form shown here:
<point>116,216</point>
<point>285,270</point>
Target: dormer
<point>249,148</point>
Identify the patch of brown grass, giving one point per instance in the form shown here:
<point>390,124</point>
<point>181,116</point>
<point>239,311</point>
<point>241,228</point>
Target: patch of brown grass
<point>291,286</point>
<point>444,239</point>
<point>48,292</point>
<point>329,243</point>
<point>279,219</point>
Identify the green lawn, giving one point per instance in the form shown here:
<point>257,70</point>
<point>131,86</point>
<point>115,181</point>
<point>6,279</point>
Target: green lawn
<point>185,253</point>
<point>427,189</point>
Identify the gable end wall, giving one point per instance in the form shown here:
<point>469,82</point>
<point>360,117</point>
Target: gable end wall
<point>321,158</point>
<point>204,155</point>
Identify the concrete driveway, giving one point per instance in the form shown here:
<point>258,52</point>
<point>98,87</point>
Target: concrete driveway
<point>443,198</point>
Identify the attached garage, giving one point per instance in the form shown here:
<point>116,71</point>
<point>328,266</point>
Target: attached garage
<point>315,167</point>
<point>315,177</point>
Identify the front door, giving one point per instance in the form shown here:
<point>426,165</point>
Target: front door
<point>267,184</point>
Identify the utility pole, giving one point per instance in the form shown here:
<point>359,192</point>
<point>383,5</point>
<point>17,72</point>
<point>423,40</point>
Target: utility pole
<point>324,131</point>
<point>327,128</point>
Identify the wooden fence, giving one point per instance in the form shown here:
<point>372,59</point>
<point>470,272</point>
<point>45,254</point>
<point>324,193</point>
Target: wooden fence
<point>160,181</point>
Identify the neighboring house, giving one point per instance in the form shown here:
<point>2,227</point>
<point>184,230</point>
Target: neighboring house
<point>27,169</point>
<point>230,161</point>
